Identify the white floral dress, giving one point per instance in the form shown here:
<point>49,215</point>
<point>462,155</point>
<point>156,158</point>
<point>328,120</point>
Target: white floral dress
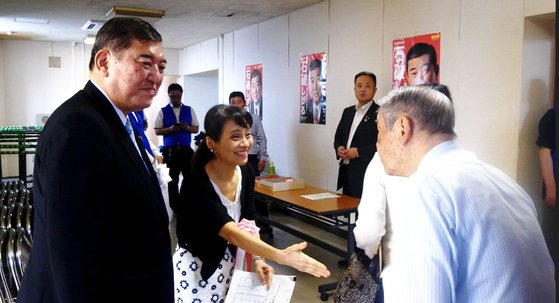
<point>189,285</point>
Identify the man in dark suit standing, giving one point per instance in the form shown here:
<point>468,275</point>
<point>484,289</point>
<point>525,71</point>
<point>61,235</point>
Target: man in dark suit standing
<point>356,136</point>
<point>101,229</point>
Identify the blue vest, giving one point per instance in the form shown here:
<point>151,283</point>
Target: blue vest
<point>137,121</point>
<point>181,138</point>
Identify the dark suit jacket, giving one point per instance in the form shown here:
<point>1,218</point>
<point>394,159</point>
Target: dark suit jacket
<point>350,176</point>
<point>309,116</point>
<point>100,228</point>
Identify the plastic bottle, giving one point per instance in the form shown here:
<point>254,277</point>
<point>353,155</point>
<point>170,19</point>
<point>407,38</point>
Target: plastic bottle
<point>272,169</point>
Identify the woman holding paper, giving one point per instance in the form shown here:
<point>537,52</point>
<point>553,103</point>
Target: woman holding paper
<point>217,211</point>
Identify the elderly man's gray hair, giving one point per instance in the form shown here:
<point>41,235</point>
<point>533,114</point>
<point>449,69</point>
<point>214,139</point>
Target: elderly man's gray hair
<point>430,110</point>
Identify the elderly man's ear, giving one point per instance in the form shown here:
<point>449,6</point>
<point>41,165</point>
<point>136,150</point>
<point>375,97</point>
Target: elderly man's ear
<point>405,128</point>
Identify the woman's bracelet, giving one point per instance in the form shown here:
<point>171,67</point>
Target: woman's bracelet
<point>256,258</point>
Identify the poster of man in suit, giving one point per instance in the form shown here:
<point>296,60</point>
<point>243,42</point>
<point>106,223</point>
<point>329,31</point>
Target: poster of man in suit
<point>313,88</point>
<point>253,88</point>
<point>416,60</point>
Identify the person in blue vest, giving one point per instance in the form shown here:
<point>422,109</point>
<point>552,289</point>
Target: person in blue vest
<point>176,122</point>
<point>139,123</point>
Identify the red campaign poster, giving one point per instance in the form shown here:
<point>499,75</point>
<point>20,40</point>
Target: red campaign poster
<point>416,60</point>
<point>253,89</point>
<point>312,101</point>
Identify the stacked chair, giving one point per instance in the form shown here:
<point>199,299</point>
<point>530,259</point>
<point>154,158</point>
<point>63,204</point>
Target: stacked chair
<point>16,218</point>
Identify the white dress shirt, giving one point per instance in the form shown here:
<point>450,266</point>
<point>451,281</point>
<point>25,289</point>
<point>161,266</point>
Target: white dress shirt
<point>471,236</point>
<point>359,114</point>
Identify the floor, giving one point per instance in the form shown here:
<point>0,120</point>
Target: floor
<point>306,287</point>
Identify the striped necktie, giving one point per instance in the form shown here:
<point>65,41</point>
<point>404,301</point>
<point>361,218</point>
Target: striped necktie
<point>130,131</point>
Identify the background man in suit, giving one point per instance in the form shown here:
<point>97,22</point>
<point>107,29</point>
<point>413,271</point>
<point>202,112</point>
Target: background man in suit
<point>316,105</point>
<point>256,93</point>
<point>176,122</point>
<point>356,136</point>
<point>101,229</point>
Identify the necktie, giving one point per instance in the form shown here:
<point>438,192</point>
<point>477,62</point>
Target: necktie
<point>128,127</point>
<point>130,131</point>
<point>316,115</point>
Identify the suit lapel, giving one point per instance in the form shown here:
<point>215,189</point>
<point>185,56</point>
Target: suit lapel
<point>117,129</point>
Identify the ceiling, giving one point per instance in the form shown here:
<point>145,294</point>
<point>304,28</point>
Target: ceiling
<point>186,22</point>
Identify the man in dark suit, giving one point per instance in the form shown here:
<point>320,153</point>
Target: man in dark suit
<point>356,136</point>
<point>315,109</point>
<point>101,229</point>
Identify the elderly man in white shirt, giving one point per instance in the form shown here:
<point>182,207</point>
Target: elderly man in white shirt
<point>470,232</point>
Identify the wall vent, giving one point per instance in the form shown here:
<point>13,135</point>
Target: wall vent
<point>92,25</point>
<point>54,61</point>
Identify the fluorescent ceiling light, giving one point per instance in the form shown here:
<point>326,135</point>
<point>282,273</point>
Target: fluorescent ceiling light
<point>134,11</point>
<point>89,40</point>
<point>31,20</point>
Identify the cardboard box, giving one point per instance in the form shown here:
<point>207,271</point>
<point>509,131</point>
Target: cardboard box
<point>278,183</point>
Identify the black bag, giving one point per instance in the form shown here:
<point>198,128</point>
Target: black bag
<point>361,281</point>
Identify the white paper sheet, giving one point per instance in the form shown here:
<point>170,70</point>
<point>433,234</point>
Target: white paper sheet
<point>246,288</point>
<point>320,196</point>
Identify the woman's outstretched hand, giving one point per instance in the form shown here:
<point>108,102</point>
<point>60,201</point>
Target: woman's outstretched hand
<point>293,256</point>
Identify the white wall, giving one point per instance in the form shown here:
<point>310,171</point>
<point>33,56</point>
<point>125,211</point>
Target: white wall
<point>29,87</point>
<point>201,92</point>
<point>173,62</point>
<point>198,58</point>
<point>481,61</point>
<point>486,60</point>
<point>2,87</point>
<point>536,99</point>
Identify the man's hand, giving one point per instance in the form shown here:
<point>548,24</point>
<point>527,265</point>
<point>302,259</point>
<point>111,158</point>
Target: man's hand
<point>342,152</point>
<point>550,196</point>
<point>351,153</point>
<point>184,126</point>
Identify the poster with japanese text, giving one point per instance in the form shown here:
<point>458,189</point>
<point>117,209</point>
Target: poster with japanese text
<point>253,89</point>
<point>416,60</point>
<point>312,101</point>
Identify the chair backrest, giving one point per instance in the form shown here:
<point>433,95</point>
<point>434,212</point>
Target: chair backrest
<point>3,195</point>
<point>19,215</point>
<point>28,225</point>
<point>11,286</point>
<point>26,197</point>
<point>23,247</point>
<point>10,216</point>
<point>11,257</point>
<point>4,219</point>
<point>14,218</point>
<point>5,291</point>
